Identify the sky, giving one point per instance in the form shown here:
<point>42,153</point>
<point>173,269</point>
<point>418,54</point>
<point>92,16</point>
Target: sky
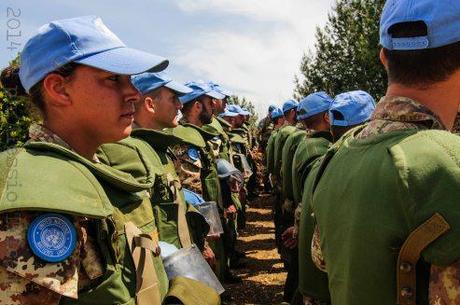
<point>251,47</point>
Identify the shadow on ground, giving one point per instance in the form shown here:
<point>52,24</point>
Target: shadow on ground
<point>263,274</point>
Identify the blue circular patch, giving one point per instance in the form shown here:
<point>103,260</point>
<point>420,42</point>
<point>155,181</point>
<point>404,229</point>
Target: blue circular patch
<point>52,237</point>
<point>193,154</point>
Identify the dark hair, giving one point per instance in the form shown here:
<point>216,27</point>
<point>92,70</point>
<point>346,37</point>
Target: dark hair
<point>9,79</point>
<point>36,93</point>
<point>187,106</point>
<point>314,119</point>
<point>424,67</point>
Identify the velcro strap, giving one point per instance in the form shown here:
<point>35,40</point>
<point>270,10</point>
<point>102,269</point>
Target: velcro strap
<point>145,242</point>
<point>147,286</point>
<point>410,253</point>
<point>182,226</point>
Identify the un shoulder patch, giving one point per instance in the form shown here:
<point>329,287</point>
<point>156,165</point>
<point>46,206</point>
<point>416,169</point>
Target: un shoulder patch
<point>193,153</point>
<point>52,237</point>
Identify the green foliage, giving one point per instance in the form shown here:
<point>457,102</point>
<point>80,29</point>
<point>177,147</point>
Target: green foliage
<point>15,120</point>
<point>346,55</point>
<point>243,102</point>
<point>15,117</point>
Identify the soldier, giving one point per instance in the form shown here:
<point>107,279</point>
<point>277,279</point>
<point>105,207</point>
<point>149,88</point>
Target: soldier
<point>265,128</point>
<point>278,122</point>
<point>197,161</point>
<point>218,124</point>
<point>74,231</point>
<point>386,197</point>
<point>347,111</point>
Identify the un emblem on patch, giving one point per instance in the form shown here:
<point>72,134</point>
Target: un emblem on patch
<point>193,154</point>
<point>52,237</point>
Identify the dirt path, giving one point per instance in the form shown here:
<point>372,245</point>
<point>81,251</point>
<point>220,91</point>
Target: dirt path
<point>263,275</point>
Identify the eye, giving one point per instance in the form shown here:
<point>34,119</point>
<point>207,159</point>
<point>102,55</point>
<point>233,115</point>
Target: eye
<point>114,78</point>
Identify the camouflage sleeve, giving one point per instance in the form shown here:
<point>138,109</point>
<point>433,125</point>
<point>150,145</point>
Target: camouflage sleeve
<point>188,169</point>
<point>25,279</point>
<point>316,252</point>
<point>445,285</point>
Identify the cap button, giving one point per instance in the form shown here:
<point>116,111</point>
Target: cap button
<point>405,267</point>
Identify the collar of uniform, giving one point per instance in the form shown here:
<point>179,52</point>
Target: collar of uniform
<point>403,109</point>
<point>40,133</point>
<point>394,113</point>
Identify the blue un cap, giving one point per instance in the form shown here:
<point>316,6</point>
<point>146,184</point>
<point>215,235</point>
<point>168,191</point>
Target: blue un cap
<point>237,109</point>
<point>228,113</point>
<point>271,108</point>
<point>290,104</point>
<point>199,89</point>
<point>220,89</point>
<point>84,40</point>
<point>442,18</point>
<point>351,108</point>
<point>277,113</point>
<point>313,104</point>
<point>147,82</point>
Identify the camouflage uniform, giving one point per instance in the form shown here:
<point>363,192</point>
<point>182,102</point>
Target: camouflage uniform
<point>265,129</point>
<point>400,114</point>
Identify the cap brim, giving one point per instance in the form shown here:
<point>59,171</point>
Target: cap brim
<point>178,88</point>
<point>125,61</point>
<point>215,94</point>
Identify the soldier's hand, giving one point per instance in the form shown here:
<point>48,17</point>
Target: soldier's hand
<point>290,238</point>
<point>230,212</point>
<point>209,256</point>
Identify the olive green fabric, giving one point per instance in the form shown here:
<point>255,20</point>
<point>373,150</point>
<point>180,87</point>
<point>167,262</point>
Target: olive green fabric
<point>288,152</point>
<point>22,168</point>
<point>270,152</point>
<point>128,198</point>
<point>209,177</point>
<point>312,281</point>
<point>280,140</point>
<point>188,135</point>
<point>371,195</point>
<point>313,146</point>
<point>216,127</point>
<point>191,292</point>
<point>166,209</point>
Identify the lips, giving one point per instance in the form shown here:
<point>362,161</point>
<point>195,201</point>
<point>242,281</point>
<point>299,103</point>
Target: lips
<point>128,115</point>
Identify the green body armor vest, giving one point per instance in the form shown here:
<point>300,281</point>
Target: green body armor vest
<point>209,177</point>
<point>370,195</point>
<point>166,196</point>
<point>216,127</point>
<point>54,179</point>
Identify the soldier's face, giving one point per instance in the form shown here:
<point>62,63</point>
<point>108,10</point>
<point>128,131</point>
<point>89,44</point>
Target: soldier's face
<point>100,105</point>
<point>206,110</point>
<point>219,106</point>
<point>167,106</point>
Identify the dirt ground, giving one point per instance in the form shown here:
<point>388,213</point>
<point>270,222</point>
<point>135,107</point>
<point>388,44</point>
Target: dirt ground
<point>263,274</point>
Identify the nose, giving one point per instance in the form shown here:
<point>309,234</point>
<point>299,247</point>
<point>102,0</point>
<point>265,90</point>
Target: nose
<point>130,92</point>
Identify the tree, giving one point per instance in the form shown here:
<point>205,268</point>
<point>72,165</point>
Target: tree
<point>245,103</point>
<point>346,55</point>
<point>15,114</point>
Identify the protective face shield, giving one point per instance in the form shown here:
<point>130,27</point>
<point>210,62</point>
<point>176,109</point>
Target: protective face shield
<point>189,263</point>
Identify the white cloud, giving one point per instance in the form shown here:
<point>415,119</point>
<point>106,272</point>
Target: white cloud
<point>260,67</point>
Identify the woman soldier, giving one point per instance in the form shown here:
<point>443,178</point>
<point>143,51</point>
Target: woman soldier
<point>71,229</point>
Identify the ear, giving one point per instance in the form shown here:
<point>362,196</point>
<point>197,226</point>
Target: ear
<point>383,59</point>
<point>55,90</point>
<point>149,104</point>
<point>326,118</point>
